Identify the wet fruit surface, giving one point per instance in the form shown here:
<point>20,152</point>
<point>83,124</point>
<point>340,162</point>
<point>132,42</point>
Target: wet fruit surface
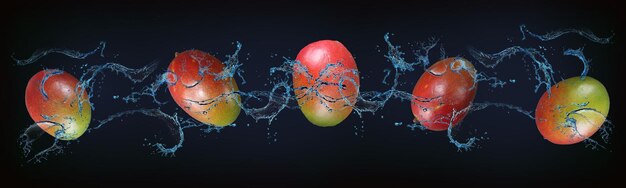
<point>198,86</point>
<point>326,82</point>
<point>446,86</point>
<point>572,111</point>
<point>57,106</point>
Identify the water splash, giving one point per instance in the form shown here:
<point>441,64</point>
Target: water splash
<point>85,85</point>
<point>88,77</point>
<point>283,96</point>
<point>472,141</point>
<point>558,33</point>
<point>29,136</point>
<point>74,54</point>
<point>543,70</point>
<point>46,76</point>
<point>543,74</point>
<point>579,54</point>
<point>173,122</point>
<point>395,55</point>
<point>605,129</point>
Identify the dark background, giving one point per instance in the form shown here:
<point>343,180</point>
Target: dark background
<point>140,32</point>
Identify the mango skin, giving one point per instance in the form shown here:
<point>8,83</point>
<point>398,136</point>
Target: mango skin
<point>314,58</point>
<point>585,100</point>
<point>193,85</point>
<point>446,86</point>
<point>53,104</point>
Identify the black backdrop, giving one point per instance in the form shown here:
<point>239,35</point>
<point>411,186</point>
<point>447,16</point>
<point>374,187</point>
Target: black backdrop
<point>140,32</point>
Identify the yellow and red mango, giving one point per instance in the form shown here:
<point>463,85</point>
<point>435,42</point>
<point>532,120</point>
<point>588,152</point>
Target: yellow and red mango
<point>327,99</point>
<point>196,84</point>
<point>572,111</point>
<point>446,86</point>
<point>53,103</point>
